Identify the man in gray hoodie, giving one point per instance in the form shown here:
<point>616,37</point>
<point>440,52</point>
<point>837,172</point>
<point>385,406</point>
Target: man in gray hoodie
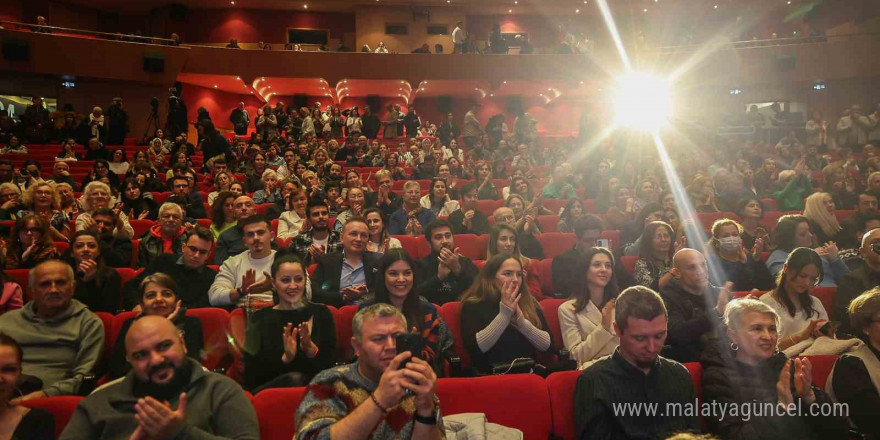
<point>165,395</point>
<point>61,339</point>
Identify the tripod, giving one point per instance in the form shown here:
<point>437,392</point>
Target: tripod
<point>152,121</point>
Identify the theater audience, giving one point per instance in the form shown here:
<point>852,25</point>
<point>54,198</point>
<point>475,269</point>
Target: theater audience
<point>344,278</point>
<point>438,199</point>
<point>166,237</point>
<point>354,400</point>
<point>244,280</point>
<point>865,209</point>
<point>860,280</point>
<point>29,243</point>
<point>307,341</point>
<point>231,241</point>
<point>573,210</point>
<point>528,242</point>
<point>445,274</point>
<point>586,320</point>
<point>655,255</point>
<point>396,285</point>
<point>158,295</point>
<point>747,369</point>
<point>135,203</point>
<point>819,211</point>
<point>60,338</point>
<point>223,213</point>
<point>751,211</point>
<point>171,394</point>
<point>411,218</point>
<point>42,199</point>
<point>730,260</point>
<point>181,195</point>
<point>565,269</point>
<point>855,379</point>
<point>800,313</point>
<point>319,239</point>
<point>97,285</point>
<point>380,240</point>
<point>97,195</point>
<point>793,231</point>
<point>293,220</point>
<point>634,373</point>
<point>694,305</point>
<point>189,270</point>
<point>354,202</point>
<point>19,422</point>
<point>500,320</point>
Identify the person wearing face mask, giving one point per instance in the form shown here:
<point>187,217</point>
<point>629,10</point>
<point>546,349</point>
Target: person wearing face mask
<point>288,344</point>
<point>746,368</point>
<point>97,284</point>
<point>158,297</point>
<point>731,261</point>
<point>695,306</point>
<point>397,286</point>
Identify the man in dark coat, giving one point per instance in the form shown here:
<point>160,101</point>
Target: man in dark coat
<point>240,119</point>
<point>117,123</point>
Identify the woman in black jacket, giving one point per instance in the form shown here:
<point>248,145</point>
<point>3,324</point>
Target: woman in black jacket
<point>748,370</point>
<point>97,285</point>
<point>158,296</point>
<point>288,344</point>
<point>134,204</point>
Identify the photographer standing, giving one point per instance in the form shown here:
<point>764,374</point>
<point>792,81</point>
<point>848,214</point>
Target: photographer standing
<point>117,123</point>
<point>177,114</point>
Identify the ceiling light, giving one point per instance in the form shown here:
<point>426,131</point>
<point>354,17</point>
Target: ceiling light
<point>505,82</point>
<point>510,11</point>
<point>716,6</point>
<point>645,10</point>
<point>215,86</point>
<point>643,101</point>
<point>516,2</point>
<point>788,2</point>
<point>582,82</point>
<point>491,94</point>
<point>232,3</point>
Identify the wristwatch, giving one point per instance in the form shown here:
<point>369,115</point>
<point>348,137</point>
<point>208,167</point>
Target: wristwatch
<point>429,420</point>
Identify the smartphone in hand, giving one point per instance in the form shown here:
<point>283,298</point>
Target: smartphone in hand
<point>411,342</point>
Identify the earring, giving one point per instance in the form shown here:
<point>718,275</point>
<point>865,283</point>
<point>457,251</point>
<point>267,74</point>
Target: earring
<point>733,346</point>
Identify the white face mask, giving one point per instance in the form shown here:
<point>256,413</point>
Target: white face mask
<point>729,245</point>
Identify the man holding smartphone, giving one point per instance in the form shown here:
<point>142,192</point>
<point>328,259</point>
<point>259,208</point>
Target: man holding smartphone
<point>392,397</point>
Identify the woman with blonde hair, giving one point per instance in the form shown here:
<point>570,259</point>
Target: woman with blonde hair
<point>43,200</point>
<point>819,211</point>
<point>500,320</point>
<point>97,195</point>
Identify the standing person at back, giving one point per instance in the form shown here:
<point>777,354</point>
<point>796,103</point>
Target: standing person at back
<point>458,38</point>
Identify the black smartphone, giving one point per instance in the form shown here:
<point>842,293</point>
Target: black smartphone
<point>411,342</point>
<point>829,328</point>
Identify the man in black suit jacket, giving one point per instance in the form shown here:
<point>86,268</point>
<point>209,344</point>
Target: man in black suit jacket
<point>346,277</point>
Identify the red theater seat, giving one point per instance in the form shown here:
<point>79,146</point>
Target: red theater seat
<point>822,366</point>
<point>416,247</point>
<point>549,307</point>
<point>472,246</point>
<point>842,214</point>
<point>20,276</point>
<point>554,205</point>
<point>629,263</point>
<point>555,243</point>
<point>61,407</point>
<point>545,269</point>
<point>489,206</point>
<point>275,408</point>
<point>107,323</point>
<point>548,223</point>
<point>61,246</point>
<point>343,318</point>
<point>560,387</point>
<point>451,314</point>
<point>519,401</point>
<point>141,227</point>
<point>237,328</point>
<point>696,371</point>
<point>826,295</point>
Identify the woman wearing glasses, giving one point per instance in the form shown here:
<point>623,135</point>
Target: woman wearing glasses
<point>801,314</point>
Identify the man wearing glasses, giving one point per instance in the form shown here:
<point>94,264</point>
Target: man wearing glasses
<point>860,280</point>
<point>695,307</point>
<point>181,188</point>
<point>188,269</point>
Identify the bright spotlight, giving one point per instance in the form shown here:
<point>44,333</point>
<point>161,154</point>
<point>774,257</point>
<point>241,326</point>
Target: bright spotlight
<point>643,102</point>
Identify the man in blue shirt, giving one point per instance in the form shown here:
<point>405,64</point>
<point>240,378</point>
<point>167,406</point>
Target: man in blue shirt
<point>344,278</point>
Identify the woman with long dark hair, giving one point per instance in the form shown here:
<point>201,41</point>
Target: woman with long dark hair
<point>438,199</point>
<point>380,239</point>
<point>655,255</point>
<point>98,285</point>
<point>135,204</point>
<point>801,314</point>
<point>398,288</point>
<point>288,344</point>
<point>794,231</point>
<point>29,243</point>
<point>586,319</point>
<point>573,210</point>
<point>223,213</point>
<point>500,320</point>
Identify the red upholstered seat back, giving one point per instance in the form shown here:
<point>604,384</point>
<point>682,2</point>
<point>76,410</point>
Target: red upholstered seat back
<point>472,246</point>
<point>555,243</point>
<point>629,263</point>
<point>214,331</point>
<point>822,366</point>
<point>549,308</point>
<point>61,407</point>
<point>451,314</point>
<point>518,400</point>
<point>275,408</point>
<point>826,295</point>
<point>561,389</point>
<point>343,318</point>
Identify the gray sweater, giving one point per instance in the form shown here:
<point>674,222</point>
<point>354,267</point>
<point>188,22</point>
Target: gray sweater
<point>216,409</point>
<point>61,350</point>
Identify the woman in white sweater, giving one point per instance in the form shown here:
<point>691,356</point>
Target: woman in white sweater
<point>293,220</point>
<point>586,319</point>
<point>801,315</point>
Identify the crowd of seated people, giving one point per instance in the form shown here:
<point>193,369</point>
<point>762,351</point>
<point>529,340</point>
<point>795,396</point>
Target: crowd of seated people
<point>298,230</point>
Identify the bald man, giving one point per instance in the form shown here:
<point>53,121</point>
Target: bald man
<point>165,395</point>
<point>860,280</point>
<point>695,307</point>
<point>231,241</point>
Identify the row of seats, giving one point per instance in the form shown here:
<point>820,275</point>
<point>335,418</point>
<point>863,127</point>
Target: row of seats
<point>540,408</point>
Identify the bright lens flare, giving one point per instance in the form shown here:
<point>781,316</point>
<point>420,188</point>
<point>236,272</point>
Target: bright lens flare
<point>643,102</point>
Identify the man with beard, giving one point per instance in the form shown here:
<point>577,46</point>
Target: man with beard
<point>695,307</point>
<point>319,239</point>
<point>189,270</point>
<point>342,278</point>
<point>634,374</point>
<point>445,273</point>
<point>165,395</point>
<point>231,241</point>
<point>411,218</point>
<point>61,339</point>
<point>116,250</point>
<point>467,219</point>
<point>244,279</point>
<point>166,237</point>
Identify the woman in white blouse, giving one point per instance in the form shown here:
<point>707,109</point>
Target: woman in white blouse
<point>293,220</point>
<point>801,315</point>
<point>586,319</point>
